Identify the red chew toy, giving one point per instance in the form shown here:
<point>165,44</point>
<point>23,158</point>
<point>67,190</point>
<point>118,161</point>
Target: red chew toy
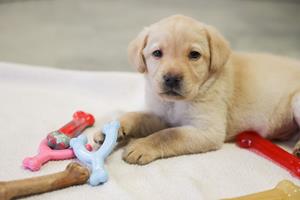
<point>80,121</point>
<point>60,139</point>
<point>252,140</point>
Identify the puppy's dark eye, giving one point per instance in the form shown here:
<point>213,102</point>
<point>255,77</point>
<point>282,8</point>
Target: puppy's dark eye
<point>157,53</point>
<point>194,55</point>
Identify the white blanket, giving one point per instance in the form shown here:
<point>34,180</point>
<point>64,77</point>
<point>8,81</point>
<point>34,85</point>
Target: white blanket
<point>35,101</point>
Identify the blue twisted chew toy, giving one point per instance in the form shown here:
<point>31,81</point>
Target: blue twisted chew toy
<point>95,160</point>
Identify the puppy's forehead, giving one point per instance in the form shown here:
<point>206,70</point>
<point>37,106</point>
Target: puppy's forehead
<point>177,28</point>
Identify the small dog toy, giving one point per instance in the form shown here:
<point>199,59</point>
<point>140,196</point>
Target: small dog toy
<point>60,139</point>
<point>95,160</point>
<point>285,190</point>
<point>46,154</point>
<point>254,141</point>
<point>74,174</point>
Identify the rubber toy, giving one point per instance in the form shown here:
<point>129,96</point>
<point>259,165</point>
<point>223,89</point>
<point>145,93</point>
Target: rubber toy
<point>60,139</point>
<point>74,174</point>
<point>45,154</point>
<point>95,160</point>
<point>254,141</point>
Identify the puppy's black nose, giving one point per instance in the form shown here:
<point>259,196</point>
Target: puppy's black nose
<point>172,81</point>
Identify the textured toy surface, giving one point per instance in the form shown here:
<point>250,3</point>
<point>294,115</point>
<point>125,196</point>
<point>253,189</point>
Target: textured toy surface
<point>95,160</point>
<point>254,141</point>
<point>46,154</point>
<point>285,190</point>
<point>60,139</point>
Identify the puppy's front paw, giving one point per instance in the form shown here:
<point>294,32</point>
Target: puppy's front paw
<point>99,137</point>
<point>140,152</point>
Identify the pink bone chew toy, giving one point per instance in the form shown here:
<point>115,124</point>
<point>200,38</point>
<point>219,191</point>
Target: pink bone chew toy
<point>252,140</point>
<point>46,154</point>
<point>60,139</point>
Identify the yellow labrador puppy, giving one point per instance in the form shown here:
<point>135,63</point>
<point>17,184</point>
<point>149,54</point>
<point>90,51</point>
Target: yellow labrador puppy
<point>200,93</point>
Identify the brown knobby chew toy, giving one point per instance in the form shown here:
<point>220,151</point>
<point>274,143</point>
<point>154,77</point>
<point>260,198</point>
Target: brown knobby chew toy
<point>285,190</point>
<point>74,174</point>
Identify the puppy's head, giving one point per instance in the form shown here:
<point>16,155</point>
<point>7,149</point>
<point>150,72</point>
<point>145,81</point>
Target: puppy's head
<point>178,55</point>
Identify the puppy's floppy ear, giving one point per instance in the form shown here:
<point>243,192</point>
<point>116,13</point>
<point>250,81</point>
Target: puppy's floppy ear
<point>135,51</point>
<point>219,49</point>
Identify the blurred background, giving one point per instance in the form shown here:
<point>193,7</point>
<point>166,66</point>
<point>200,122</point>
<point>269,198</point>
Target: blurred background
<point>94,34</point>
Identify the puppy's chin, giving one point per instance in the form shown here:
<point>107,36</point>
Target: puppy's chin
<point>182,95</point>
<point>171,96</point>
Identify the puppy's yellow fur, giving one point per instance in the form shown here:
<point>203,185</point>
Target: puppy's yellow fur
<point>222,93</point>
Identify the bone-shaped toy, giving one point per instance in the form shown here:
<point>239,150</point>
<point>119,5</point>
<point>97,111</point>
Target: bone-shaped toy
<point>74,174</point>
<point>285,190</point>
<point>46,154</point>
<point>95,160</point>
<point>252,140</point>
<point>60,139</point>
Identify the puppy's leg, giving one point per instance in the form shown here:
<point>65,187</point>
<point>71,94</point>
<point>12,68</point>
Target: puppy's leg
<point>172,142</point>
<point>296,112</point>
<point>135,125</point>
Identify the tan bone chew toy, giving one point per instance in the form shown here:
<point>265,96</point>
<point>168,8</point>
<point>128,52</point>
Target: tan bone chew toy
<point>285,190</point>
<point>74,174</point>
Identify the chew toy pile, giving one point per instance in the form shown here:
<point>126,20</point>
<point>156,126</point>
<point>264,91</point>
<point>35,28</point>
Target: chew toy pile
<point>56,147</point>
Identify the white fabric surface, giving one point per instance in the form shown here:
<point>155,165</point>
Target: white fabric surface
<point>35,101</point>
